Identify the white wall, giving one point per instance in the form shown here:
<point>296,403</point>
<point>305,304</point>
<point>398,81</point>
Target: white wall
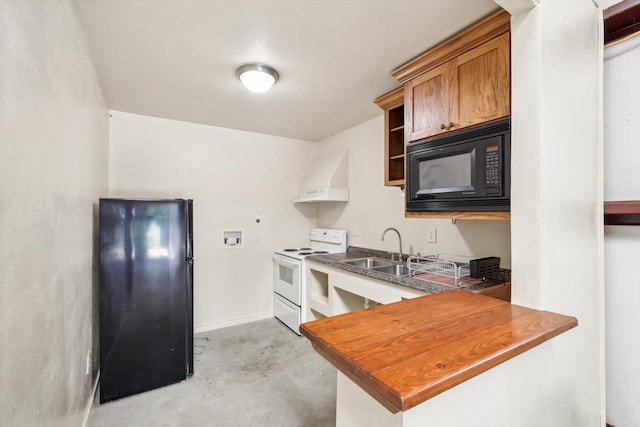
<point>622,243</point>
<point>372,207</point>
<point>556,226</point>
<point>232,176</point>
<point>556,210</point>
<point>53,168</point>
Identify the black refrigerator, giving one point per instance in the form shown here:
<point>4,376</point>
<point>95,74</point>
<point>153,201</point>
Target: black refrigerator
<point>146,295</point>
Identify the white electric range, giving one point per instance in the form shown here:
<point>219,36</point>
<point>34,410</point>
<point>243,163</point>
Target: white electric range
<point>289,277</point>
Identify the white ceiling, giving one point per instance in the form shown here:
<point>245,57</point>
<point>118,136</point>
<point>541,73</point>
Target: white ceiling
<point>176,59</point>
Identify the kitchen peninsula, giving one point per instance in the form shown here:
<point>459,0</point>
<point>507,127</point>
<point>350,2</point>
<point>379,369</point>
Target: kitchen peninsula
<point>406,353</point>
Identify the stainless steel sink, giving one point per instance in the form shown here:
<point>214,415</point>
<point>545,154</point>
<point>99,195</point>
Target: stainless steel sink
<point>394,270</point>
<point>370,262</point>
<point>381,265</point>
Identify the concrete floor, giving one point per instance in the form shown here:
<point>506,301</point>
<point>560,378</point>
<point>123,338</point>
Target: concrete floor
<point>256,374</point>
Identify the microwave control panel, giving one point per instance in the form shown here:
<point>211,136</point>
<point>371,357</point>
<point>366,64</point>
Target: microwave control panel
<point>492,169</point>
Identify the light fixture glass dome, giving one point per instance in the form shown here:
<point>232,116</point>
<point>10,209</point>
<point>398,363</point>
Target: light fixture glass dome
<point>257,77</point>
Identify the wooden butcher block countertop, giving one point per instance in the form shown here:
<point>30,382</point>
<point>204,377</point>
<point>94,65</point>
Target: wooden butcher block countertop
<point>407,352</point>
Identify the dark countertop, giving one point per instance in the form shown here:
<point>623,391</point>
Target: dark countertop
<point>354,252</point>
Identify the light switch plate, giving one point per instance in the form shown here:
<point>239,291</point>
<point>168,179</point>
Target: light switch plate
<point>432,235</point>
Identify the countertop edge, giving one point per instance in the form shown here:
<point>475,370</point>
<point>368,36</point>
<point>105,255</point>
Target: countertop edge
<point>396,399</point>
<point>392,401</point>
<point>484,365</point>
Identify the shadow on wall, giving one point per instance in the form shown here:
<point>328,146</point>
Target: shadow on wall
<point>331,213</point>
<point>487,238</point>
<point>308,210</point>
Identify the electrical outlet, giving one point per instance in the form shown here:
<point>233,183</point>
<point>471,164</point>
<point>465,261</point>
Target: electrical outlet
<point>354,231</point>
<point>432,235</point>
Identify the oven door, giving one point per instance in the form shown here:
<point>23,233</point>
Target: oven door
<point>287,278</point>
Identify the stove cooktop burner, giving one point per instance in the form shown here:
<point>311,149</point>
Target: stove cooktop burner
<point>321,241</point>
<point>300,253</point>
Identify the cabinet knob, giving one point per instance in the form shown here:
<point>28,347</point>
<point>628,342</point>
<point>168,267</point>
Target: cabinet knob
<point>451,125</point>
<point>442,126</point>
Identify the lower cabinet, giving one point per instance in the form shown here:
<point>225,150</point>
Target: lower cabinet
<point>332,291</point>
<point>501,291</point>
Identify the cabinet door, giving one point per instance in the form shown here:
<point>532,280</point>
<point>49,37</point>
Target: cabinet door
<point>426,101</point>
<point>480,83</point>
<point>501,291</point>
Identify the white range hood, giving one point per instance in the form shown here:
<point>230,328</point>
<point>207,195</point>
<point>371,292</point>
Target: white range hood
<point>327,180</point>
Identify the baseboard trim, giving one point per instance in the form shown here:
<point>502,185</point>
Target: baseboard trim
<point>232,322</point>
<point>92,399</point>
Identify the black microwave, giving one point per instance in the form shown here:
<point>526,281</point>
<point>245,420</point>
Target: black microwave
<point>465,171</point>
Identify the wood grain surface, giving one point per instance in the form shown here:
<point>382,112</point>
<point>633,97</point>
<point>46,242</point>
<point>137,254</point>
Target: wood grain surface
<point>622,212</point>
<point>501,216</point>
<point>407,352</point>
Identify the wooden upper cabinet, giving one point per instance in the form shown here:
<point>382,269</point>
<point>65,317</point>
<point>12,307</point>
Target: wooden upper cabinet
<point>427,103</point>
<point>393,105</point>
<point>480,84</point>
<point>462,82</point>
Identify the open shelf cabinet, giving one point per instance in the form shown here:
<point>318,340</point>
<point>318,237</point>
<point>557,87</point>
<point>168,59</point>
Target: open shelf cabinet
<point>393,105</point>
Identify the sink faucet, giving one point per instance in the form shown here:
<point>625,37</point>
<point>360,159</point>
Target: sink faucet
<point>399,240</point>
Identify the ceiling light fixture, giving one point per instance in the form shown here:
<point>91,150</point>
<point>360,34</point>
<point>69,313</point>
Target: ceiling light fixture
<point>257,77</point>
